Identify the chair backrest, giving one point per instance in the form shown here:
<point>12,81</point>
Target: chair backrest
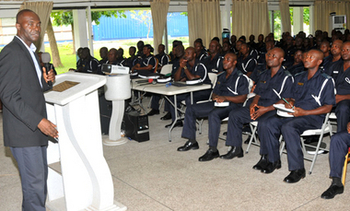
<point>166,69</point>
<point>213,78</point>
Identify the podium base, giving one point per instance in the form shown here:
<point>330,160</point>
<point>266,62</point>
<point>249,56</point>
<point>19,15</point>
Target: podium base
<point>60,205</point>
<point>117,142</point>
<point>115,207</point>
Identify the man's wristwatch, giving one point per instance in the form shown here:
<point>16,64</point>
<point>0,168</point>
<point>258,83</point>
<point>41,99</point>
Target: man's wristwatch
<point>185,67</point>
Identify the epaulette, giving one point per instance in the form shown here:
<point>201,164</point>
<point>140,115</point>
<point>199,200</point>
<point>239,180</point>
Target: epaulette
<point>298,74</point>
<point>220,73</point>
<point>326,76</point>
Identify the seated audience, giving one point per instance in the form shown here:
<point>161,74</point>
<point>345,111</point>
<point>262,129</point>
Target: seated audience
<point>162,57</point>
<point>309,113</point>
<point>189,69</point>
<point>214,61</point>
<point>132,60</point>
<point>88,63</point>
<point>103,55</point>
<point>330,69</point>
<point>148,63</point>
<point>273,84</point>
<point>232,86</point>
<point>298,65</point>
<point>200,50</point>
<point>342,85</point>
<point>246,63</point>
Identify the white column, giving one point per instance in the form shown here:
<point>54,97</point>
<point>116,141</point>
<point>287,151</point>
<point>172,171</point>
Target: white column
<point>80,28</point>
<point>91,36</point>
<point>312,19</point>
<point>298,19</point>
<point>225,15</point>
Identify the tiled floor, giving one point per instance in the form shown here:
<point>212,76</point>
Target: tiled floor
<point>153,176</point>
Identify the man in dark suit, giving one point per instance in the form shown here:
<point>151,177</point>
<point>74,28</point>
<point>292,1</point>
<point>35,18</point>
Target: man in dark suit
<point>25,127</point>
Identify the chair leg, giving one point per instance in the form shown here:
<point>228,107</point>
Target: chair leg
<point>345,168</point>
<point>253,136</point>
<point>200,123</point>
<point>282,145</point>
<point>316,152</point>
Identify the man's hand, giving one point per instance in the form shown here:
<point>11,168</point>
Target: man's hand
<point>183,62</point>
<point>48,128</point>
<point>261,110</point>
<point>50,76</point>
<point>298,112</point>
<point>219,99</point>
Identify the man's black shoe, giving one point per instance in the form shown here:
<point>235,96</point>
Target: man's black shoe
<point>177,124</point>
<point>262,163</point>
<point>209,155</point>
<point>295,176</point>
<point>270,167</point>
<point>153,112</point>
<point>233,152</point>
<point>188,145</point>
<point>167,116</point>
<point>332,191</point>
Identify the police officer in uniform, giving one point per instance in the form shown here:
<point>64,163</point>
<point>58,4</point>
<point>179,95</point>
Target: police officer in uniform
<point>148,63</point>
<point>214,61</point>
<point>313,97</point>
<point>232,86</point>
<point>272,84</point>
<point>246,63</point>
<point>190,69</point>
<point>340,144</point>
<point>342,84</point>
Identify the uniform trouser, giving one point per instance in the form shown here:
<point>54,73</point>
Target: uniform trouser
<point>270,129</point>
<point>237,118</point>
<point>32,166</point>
<point>155,102</point>
<point>340,144</point>
<point>197,96</point>
<point>215,114</point>
<point>342,111</point>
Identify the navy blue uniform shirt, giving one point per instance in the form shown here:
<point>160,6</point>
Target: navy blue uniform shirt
<point>295,69</point>
<point>149,60</point>
<point>332,68</point>
<point>342,82</point>
<point>198,69</point>
<point>214,65</point>
<point>246,65</point>
<point>236,84</point>
<point>313,93</point>
<point>281,82</point>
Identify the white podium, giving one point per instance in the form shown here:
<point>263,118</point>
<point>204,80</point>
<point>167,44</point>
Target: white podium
<point>117,89</point>
<point>79,177</point>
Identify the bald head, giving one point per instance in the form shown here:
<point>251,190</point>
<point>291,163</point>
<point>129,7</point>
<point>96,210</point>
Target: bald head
<point>28,26</point>
<point>313,59</point>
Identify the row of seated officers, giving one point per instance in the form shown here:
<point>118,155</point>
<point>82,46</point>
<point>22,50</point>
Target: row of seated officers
<point>310,93</point>
<point>319,84</point>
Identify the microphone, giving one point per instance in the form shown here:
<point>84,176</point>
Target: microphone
<point>46,58</point>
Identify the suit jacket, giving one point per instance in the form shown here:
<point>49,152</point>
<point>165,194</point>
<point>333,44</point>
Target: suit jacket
<point>22,97</point>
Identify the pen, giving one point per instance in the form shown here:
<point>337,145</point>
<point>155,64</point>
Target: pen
<point>287,102</point>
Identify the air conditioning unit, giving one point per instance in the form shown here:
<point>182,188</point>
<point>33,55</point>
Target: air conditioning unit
<point>337,22</point>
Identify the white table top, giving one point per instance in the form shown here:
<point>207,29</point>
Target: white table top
<point>160,88</point>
